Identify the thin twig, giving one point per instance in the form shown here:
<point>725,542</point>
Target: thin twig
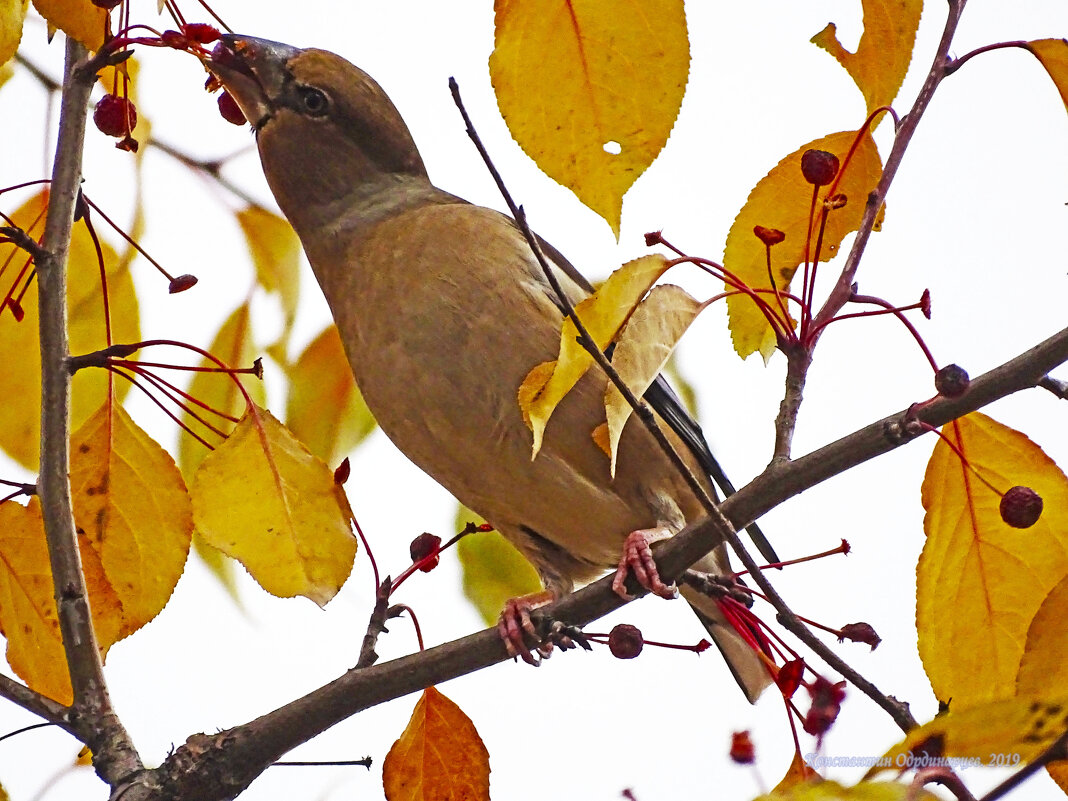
<point>31,701</point>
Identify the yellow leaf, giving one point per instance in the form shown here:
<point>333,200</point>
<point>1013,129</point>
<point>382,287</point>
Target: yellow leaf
<point>79,19</point>
<point>27,602</point>
<point>799,773</point>
<point>782,200</point>
<point>325,409</point>
<point>1043,668</point>
<point>12,14</point>
<point>493,570</point>
<point>643,348</point>
<point>275,252</point>
<point>1053,55</point>
<point>980,582</point>
<point>603,313</point>
<point>885,49</point>
<point>263,499</point>
<point>438,757</point>
<point>591,96</point>
<point>19,348</point>
<point>233,344</point>
<point>1013,731</point>
<point>833,791</point>
<point>133,510</point>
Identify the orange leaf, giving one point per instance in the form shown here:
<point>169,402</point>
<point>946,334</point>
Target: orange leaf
<point>325,409</point>
<point>603,313</point>
<point>1043,668</point>
<point>233,344</point>
<point>885,49</point>
<point>591,96</point>
<point>19,348</point>
<point>1053,55</point>
<point>132,509</point>
<point>438,757</point>
<point>263,499</point>
<point>27,602</point>
<point>12,15</point>
<point>979,582</point>
<point>782,200</point>
<point>79,19</point>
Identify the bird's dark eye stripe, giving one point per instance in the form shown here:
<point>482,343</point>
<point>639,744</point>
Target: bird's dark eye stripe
<point>313,101</point>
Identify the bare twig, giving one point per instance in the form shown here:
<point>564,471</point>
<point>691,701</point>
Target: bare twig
<point>376,625</point>
<point>1056,386</point>
<point>34,702</point>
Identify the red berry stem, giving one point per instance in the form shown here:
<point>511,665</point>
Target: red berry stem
<point>844,548</point>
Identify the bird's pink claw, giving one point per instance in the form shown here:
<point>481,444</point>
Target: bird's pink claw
<point>638,557</point>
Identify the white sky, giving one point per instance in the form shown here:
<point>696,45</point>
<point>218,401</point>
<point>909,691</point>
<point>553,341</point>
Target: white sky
<point>977,214</point>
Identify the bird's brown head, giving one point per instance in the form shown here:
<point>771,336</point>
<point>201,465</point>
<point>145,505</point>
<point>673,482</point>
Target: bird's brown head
<point>325,129</point>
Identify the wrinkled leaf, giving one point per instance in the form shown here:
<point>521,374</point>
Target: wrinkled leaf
<point>325,409</point>
<point>263,499</point>
<point>591,96</point>
<point>885,49</point>
<point>643,348</point>
<point>79,19</point>
<point>1053,55</point>
<point>603,314</point>
<point>493,570</point>
<point>19,349</point>
<point>781,200</point>
<point>980,582</point>
<point>132,509</point>
<point>438,757</point>
<point>1024,726</point>
<point>12,15</point>
<point>28,617</point>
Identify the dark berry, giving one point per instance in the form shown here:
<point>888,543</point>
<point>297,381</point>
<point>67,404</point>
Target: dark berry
<point>742,750</point>
<point>108,4</point>
<point>229,109</point>
<point>925,303</point>
<point>181,283</point>
<point>769,236</point>
<point>952,381</point>
<point>819,167</point>
<point>179,41</point>
<point>653,238</point>
<point>425,547</point>
<point>625,641</point>
<point>826,704</point>
<point>860,632</point>
<point>115,115</point>
<point>341,475</point>
<point>1021,507</point>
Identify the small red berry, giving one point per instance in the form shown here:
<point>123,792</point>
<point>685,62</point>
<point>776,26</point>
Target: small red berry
<point>653,238</point>
<point>769,236</point>
<point>819,167</point>
<point>925,303</point>
<point>625,641</point>
<point>201,32</point>
<point>860,632</point>
<point>1021,507</point>
<point>229,109</point>
<point>181,283</point>
<point>341,475</point>
<point>115,115</point>
<point>108,4</point>
<point>179,41</point>
<point>742,749</point>
<point>16,309</point>
<point>423,547</point>
<point>789,677</point>
<point>952,381</point>
<point>827,700</point>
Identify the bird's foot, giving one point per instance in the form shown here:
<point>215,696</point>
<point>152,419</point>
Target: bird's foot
<point>517,629</point>
<point>638,557</point>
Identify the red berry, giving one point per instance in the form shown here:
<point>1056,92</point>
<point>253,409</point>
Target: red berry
<point>1021,507</point>
<point>108,4</point>
<point>181,283</point>
<point>826,704</point>
<point>860,632</point>
<point>115,115</point>
<point>952,381</point>
<point>769,236</point>
<point>201,32</point>
<point>625,641</point>
<point>341,475</point>
<point>819,167</point>
<point>424,547</point>
<point>789,677</point>
<point>16,309</point>
<point>925,303</point>
<point>229,109</point>
<point>179,41</point>
<point>742,749</point>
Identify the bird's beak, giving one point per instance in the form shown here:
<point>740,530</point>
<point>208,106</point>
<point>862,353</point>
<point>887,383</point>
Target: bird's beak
<point>254,71</point>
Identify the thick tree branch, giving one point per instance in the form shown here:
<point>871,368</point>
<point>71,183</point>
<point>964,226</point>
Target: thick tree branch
<point>92,713</point>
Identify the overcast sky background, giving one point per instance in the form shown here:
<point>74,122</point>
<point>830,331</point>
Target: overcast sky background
<point>977,214</point>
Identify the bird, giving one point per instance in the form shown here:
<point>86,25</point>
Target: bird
<point>443,310</point>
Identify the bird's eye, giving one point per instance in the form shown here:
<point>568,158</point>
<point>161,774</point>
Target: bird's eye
<point>314,101</point>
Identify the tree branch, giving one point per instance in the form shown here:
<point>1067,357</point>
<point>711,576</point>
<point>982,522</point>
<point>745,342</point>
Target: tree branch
<point>31,701</point>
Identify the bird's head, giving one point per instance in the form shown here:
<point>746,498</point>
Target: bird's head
<point>325,129</point>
